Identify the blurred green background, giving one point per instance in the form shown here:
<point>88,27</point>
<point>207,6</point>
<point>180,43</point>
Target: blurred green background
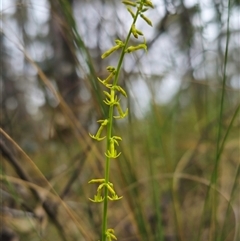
<point>179,169</point>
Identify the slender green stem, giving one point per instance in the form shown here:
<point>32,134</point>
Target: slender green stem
<point>112,101</point>
<point>107,169</point>
<point>123,51</point>
<point>109,133</point>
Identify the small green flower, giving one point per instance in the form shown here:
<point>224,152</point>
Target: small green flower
<point>111,190</point>
<point>139,32</point>
<point>120,89</point>
<point>131,12</point>
<point>97,136</point>
<point>115,198</point>
<point>110,51</point>
<point>135,48</point>
<point>99,132</point>
<point>107,80</point>
<point>110,234</point>
<point>119,44</point>
<point>134,31</point>
<point>112,98</point>
<point>129,3</point>
<point>111,69</point>
<point>98,198</point>
<point>121,113</point>
<point>147,20</point>
<point>144,10</point>
<point>148,3</point>
<point>112,153</point>
<point>101,180</point>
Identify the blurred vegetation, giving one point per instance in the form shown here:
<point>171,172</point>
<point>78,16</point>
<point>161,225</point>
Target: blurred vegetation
<point>179,169</point>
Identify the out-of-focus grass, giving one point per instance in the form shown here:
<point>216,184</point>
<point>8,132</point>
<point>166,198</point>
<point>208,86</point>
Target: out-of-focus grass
<point>169,143</point>
<point>165,172</point>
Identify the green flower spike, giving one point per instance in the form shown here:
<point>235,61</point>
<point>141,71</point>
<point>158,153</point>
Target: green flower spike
<point>110,234</point>
<point>105,190</point>
<point>97,136</point>
<point>119,44</point>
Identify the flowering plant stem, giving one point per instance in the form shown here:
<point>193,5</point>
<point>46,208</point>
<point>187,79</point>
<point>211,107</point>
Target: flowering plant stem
<point>107,169</point>
<point>105,190</point>
<point>109,134</point>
